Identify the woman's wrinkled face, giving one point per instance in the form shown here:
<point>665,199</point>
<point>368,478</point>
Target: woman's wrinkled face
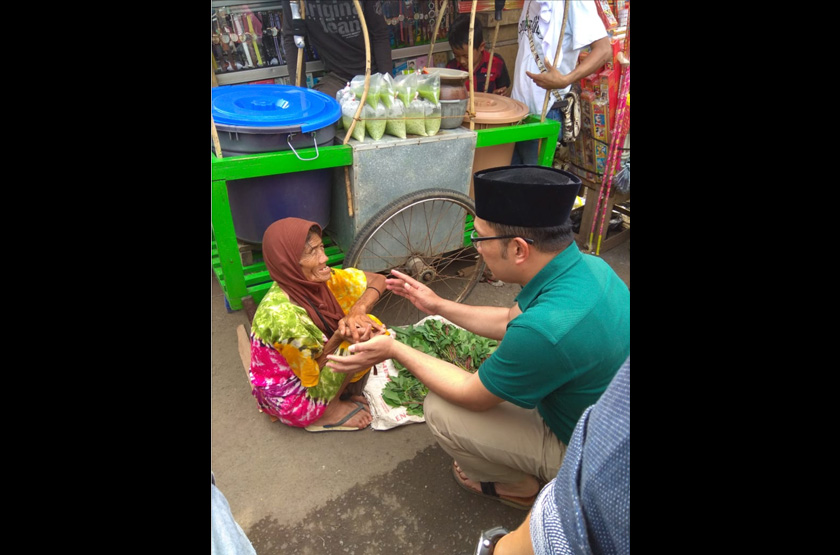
<point>313,263</point>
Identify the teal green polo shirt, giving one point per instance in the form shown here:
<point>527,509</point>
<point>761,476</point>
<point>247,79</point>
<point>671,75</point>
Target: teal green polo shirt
<point>573,335</point>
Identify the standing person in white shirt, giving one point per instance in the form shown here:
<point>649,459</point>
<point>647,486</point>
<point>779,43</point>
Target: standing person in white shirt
<point>539,29</point>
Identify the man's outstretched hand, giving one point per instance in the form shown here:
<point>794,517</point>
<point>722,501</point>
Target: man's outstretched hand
<point>420,295</point>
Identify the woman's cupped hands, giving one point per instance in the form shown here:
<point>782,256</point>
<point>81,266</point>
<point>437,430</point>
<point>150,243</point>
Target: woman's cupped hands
<point>359,327</point>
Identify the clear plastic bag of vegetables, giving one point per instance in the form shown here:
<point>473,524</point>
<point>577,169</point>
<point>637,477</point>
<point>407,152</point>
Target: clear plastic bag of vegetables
<point>415,117</point>
<point>357,84</point>
<point>348,112</point>
<point>405,87</point>
<point>428,87</point>
<point>386,90</point>
<point>342,96</point>
<point>395,125</point>
<point>375,120</point>
<point>433,118</point>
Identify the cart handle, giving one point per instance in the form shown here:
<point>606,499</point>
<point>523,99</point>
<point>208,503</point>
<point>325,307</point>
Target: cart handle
<point>314,140</point>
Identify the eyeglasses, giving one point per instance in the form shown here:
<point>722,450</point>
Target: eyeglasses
<point>475,238</point>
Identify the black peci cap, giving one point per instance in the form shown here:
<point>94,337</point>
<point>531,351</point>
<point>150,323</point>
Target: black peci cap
<point>525,196</point>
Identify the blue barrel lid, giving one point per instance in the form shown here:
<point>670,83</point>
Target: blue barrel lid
<point>262,107</point>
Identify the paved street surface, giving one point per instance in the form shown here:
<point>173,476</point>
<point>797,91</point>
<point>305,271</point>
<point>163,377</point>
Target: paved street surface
<point>364,493</point>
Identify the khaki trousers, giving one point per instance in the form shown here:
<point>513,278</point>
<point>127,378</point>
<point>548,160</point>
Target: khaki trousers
<point>503,444</point>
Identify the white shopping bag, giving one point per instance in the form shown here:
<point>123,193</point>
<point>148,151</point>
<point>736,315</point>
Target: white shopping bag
<point>385,416</point>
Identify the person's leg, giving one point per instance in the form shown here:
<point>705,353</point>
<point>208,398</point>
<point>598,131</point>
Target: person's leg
<point>354,391</point>
<point>331,387</point>
<point>226,536</point>
<point>345,401</point>
<point>527,152</point>
<point>506,444</point>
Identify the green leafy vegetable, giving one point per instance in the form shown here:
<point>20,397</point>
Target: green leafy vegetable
<point>440,340</point>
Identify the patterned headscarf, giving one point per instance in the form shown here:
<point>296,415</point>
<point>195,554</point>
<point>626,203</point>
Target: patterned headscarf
<point>282,248</point>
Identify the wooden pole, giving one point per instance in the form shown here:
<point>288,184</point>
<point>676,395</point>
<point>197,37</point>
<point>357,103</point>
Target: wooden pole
<point>554,64</point>
<point>556,57</point>
<point>472,74</point>
<point>347,187</point>
<point>215,135</point>
<point>367,71</point>
<point>441,11</point>
<point>301,51</point>
<point>490,63</point>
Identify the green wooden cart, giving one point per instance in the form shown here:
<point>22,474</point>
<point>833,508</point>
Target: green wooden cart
<point>403,234</point>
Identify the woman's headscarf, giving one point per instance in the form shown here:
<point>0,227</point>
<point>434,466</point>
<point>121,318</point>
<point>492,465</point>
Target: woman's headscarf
<point>282,249</point>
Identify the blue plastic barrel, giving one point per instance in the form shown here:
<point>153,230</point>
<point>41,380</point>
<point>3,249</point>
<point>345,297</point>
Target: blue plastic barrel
<point>252,119</point>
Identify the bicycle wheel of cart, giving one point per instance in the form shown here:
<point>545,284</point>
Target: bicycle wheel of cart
<point>424,234</point>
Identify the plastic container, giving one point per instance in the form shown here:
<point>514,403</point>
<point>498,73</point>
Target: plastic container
<point>252,119</point>
<point>452,113</point>
<point>493,110</point>
<point>452,82</point>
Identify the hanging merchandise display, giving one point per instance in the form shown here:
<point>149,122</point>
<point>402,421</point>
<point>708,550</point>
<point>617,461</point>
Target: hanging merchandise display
<point>616,135</point>
<point>613,157</point>
<point>247,42</point>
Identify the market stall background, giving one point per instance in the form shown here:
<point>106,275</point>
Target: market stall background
<point>388,491</point>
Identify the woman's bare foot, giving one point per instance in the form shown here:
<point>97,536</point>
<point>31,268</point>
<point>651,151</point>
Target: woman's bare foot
<point>338,409</point>
<point>526,488</point>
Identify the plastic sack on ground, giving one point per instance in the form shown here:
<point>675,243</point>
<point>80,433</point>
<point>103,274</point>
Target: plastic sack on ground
<point>385,416</point>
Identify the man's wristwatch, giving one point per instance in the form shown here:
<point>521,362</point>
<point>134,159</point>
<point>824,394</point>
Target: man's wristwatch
<point>487,541</point>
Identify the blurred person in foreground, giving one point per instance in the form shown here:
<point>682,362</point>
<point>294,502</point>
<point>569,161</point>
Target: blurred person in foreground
<point>226,536</point>
<point>561,342</point>
<point>586,508</point>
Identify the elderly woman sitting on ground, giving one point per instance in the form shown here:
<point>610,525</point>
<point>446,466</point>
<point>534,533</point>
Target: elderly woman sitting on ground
<point>310,311</point>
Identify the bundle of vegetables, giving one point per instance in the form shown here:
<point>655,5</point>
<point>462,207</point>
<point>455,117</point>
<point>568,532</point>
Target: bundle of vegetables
<point>441,340</point>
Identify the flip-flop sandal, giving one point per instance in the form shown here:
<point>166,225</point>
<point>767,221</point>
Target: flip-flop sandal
<point>488,490</point>
<point>338,426</point>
